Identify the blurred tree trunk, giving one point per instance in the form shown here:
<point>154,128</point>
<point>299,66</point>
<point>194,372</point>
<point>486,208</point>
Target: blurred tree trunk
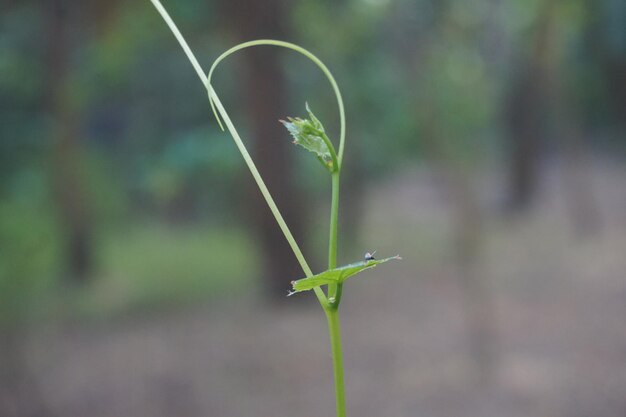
<point>608,33</point>
<point>264,96</point>
<point>539,99</point>
<point>466,216</point>
<point>480,314</point>
<point>67,153</point>
<point>525,117</point>
<point>615,67</point>
<point>524,128</point>
<point>570,135</point>
<point>577,179</point>
<point>468,247</point>
<point>567,125</point>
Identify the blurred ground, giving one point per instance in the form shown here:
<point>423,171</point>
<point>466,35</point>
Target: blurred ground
<point>559,345</point>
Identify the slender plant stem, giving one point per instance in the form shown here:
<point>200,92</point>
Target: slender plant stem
<point>334,298</point>
<point>181,40</point>
<point>334,329</point>
<point>332,237</point>
<point>334,292</point>
<point>334,217</point>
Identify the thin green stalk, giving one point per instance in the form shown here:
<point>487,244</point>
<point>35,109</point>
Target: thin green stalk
<point>181,40</point>
<point>255,172</point>
<point>333,155</point>
<point>334,298</point>
<point>334,330</point>
<point>334,217</point>
<point>334,291</point>
<point>333,295</point>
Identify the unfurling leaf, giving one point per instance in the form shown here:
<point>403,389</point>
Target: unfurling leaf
<point>309,133</point>
<point>337,275</point>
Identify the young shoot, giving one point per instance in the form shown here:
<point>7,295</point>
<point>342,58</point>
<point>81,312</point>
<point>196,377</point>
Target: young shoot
<point>308,133</point>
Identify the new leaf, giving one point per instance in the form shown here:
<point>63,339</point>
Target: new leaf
<point>309,133</point>
<point>337,275</point>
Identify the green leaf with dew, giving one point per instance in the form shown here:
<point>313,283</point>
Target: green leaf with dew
<point>336,275</point>
<point>309,133</point>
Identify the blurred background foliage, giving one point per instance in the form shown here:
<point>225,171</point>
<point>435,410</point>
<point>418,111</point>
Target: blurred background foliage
<point>119,193</point>
<point>105,131</point>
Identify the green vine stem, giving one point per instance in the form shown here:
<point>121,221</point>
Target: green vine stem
<point>334,206</point>
<point>329,303</point>
<point>334,330</point>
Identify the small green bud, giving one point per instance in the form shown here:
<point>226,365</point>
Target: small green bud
<point>309,133</point>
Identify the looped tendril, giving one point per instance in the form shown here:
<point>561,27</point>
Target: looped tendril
<point>299,49</point>
<point>217,105</point>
